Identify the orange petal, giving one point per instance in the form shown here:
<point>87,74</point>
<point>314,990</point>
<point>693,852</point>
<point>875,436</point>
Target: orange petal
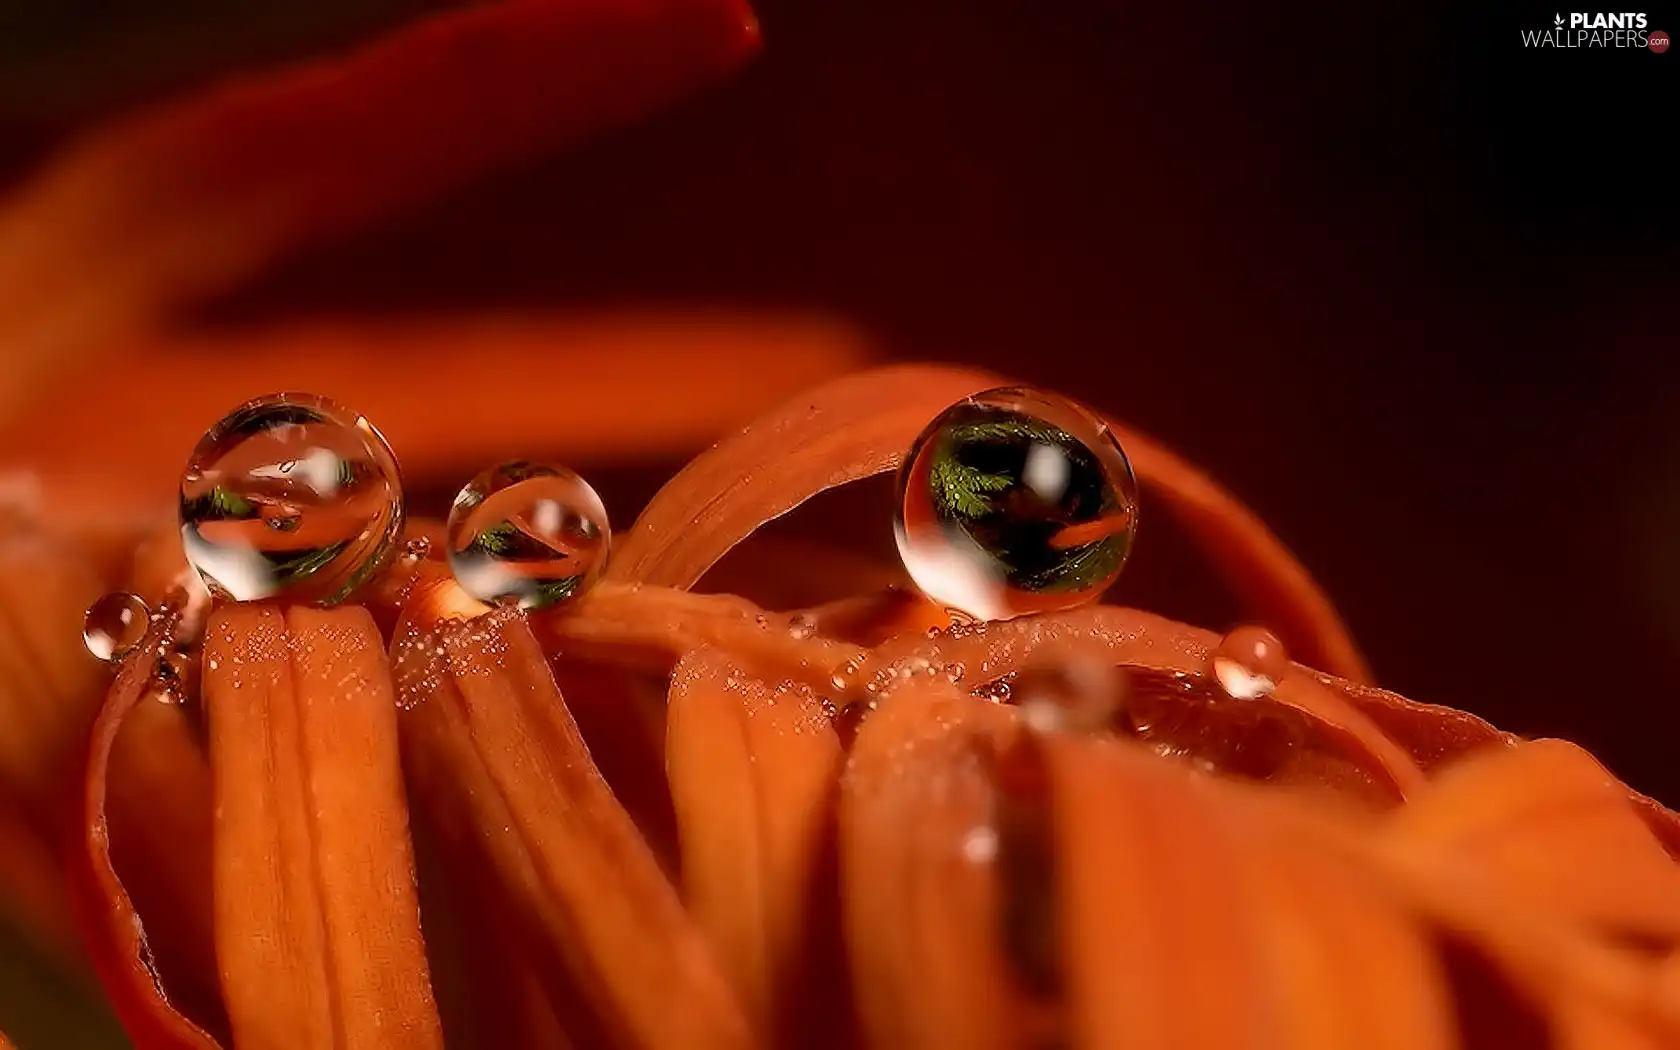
<point>753,773</point>
<point>621,716</point>
<point>781,572</point>
<point>49,685</point>
<point>159,813</point>
<point>1156,905</point>
<point>491,995</point>
<point>653,627</point>
<point>873,618</point>
<point>32,893</point>
<point>860,425</point>
<point>611,387</point>
<point>921,896</point>
<point>1585,1025</point>
<point>186,201</point>
<point>1130,636</point>
<point>317,921</point>
<point>1548,822</point>
<point>112,928</point>
<point>495,756</point>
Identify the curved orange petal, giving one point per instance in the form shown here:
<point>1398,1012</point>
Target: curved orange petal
<point>861,425</point>
<point>111,926</point>
<point>175,204</point>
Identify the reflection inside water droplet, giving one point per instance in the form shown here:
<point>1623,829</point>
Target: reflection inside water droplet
<point>527,534</point>
<point>290,496</point>
<point>1015,501</point>
<point>114,624</point>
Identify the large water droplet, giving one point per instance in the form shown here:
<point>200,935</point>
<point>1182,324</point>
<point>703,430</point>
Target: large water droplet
<point>1015,501</point>
<point>1248,663</point>
<point>528,534</point>
<point>114,624</point>
<point>290,496</point>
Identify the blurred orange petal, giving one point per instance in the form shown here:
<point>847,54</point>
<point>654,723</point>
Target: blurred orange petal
<point>163,209</point>
<point>451,395</point>
<point>49,685</point>
<point>1518,813</point>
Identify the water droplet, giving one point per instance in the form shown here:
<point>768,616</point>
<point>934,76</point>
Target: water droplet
<point>1015,501</point>
<point>980,845</point>
<point>417,549</point>
<point>173,677</point>
<point>801,626</point>
<point>1248,663</point>
<point>114,624</point>
<point>998,690</point>
<point>292,496</point>
<point>1080,695</point>
<point>527,534</point>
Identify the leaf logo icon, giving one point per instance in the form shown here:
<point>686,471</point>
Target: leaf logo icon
<point>1558,19</point>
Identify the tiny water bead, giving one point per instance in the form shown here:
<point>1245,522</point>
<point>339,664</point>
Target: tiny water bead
<point>1248,663</point>
<point>1015,501</point>
<point>114,624</point>
<point>290,496</point>
<point>527,534</point>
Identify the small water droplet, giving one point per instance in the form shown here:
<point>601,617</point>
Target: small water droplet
<point>527,534</point>
<point>417,549</point>
<point>980,845</point>
<point>1248,663</point>
<point>1079,695</point>
<point>955,672</point>
<point>801,626</point>
<point>114,624</point>
<point>998,690</point>
<point>1015,501</point>
<point>290,495</point>
<point>171,676</point>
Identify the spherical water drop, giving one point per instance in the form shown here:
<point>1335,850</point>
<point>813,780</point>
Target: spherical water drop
<point>1015,501</point>
<point>114,624</point>
<point>290,496</point>
<point>527,534</point>
<point>1248,663</point>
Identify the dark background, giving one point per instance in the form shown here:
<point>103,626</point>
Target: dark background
<point>1407,288</point>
